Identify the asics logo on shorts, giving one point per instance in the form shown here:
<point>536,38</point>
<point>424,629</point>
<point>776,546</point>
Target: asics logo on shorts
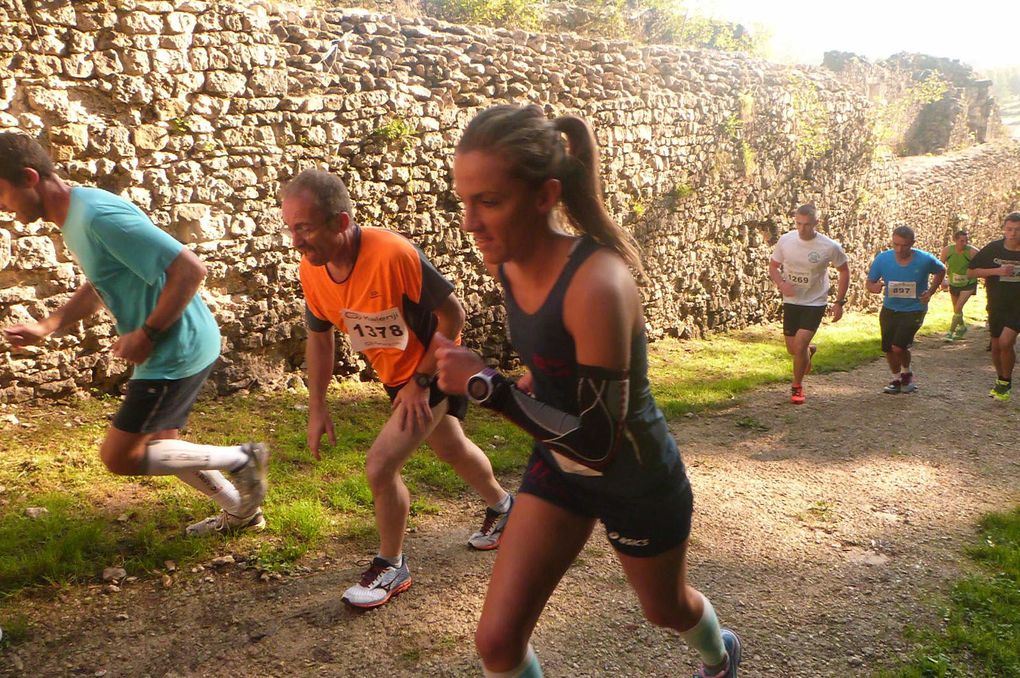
<point>627,541</point>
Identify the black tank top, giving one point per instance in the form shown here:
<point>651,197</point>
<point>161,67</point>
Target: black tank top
<point>548,350</point>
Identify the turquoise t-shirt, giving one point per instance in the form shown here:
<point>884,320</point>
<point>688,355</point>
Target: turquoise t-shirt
<point>125,256</point>
<point>904,285</point>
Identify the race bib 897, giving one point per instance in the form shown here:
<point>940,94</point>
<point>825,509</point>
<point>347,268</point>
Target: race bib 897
<point>383,329</point>
<point>903,290</point>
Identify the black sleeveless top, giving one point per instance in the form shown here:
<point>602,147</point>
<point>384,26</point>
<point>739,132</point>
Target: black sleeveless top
<point>648,456</point>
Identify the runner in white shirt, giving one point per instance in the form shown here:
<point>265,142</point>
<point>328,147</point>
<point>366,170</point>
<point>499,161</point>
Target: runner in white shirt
<point>800,269</point>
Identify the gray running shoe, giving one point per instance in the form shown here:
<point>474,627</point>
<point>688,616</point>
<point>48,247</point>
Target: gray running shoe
<point>380,582</point>
<point>250,479</point>
<point>895,386</point>
<point>225,523</point>
<point>487,538</point>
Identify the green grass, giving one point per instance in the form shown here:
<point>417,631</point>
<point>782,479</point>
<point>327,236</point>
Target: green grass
<point>982,617</point>
<point>696,375</point>
<point>96,519</point>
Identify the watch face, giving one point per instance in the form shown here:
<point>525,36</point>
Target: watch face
<point>478,388</point>
<point>423,380</point>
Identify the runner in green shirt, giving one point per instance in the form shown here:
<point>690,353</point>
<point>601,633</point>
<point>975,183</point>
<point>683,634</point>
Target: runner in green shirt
<point>961,286</point>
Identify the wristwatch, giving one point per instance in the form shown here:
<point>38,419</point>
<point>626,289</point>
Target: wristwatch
<point>151,332</point>
<point>841,302</point>
<point>480,386</point>
<point>423,380</point>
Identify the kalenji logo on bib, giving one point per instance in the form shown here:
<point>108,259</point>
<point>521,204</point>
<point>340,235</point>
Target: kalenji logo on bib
<point>382,329</point>
<point>627,541</point>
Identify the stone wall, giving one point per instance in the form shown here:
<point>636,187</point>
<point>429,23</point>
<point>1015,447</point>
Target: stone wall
<point>197,111</point>
<point>921,104</point>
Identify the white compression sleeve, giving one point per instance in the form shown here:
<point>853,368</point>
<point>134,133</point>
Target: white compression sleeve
<point>167,457</point>
<point>213,485</point>
<point>706,636</point>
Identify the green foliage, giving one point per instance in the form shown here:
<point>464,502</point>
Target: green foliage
<point>681,26</point>
<point>15,627</point>
<point>651,21</point>
<point>894,117</point>
<point>682,190</point>
<point>748,159</point>
<point>982,617</point>
<point>811,119</point>
<point>180,125</point>
<point>733,126</point>
<point>394,131</point>
<point>638,207</point>
<point>524,14</point>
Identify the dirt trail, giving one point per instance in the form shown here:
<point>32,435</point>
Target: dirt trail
<point>820,532</point>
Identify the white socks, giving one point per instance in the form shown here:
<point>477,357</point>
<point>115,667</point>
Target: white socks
<point>170,456</point>
<point>706,636</point>
<point>213,485</point>
<point>504,504</point>
<point>528,668</point>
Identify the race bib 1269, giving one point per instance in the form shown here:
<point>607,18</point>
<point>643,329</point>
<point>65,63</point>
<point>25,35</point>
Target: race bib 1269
<point>958,278</point>
<point>382,329</point>
<point>903,290</point>
<point>797,278</point>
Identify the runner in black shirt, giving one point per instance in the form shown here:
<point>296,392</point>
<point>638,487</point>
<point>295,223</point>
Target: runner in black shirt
<point>999,263</point>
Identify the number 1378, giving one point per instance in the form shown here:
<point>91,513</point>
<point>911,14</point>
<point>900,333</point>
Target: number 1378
<point>377,331</point>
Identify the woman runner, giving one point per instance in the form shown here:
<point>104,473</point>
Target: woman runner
<point>602,447</point>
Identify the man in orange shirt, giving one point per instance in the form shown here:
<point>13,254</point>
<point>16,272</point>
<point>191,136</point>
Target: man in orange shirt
<point>379,289</point>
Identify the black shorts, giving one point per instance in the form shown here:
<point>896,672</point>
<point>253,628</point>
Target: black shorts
<point>1000,317</point>
<point>899,327</point>
<point>153,405</point>
<point>644,527</point>
<point>458,405</point>
<point>797,317</point>
<point>954,292</point>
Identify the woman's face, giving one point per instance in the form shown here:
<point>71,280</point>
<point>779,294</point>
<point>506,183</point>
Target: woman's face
<point>502,212</point>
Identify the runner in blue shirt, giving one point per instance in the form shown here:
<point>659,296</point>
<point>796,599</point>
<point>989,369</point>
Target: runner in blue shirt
<point>902,274</point>
<point>149,282</point>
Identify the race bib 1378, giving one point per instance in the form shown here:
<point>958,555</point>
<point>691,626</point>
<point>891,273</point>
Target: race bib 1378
<point>382,329</point>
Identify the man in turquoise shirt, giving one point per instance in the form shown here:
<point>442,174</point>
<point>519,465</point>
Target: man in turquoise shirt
<point>149,282</point>
<point>902,273</point>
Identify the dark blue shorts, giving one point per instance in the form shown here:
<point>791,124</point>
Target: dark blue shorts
<point>643,526</point>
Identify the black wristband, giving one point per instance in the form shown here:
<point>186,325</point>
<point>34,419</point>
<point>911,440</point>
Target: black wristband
<point>841,302</point>
<point>151,332</point>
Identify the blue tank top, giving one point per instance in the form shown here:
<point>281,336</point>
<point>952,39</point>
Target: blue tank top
<point>548,350</point>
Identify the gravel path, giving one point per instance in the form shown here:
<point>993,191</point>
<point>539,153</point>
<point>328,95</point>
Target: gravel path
<point>820,532</point>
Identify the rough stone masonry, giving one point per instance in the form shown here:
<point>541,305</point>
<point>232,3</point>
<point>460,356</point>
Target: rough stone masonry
<point>197,111</point>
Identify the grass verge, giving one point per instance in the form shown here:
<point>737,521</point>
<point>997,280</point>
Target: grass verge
<point>982,617</point>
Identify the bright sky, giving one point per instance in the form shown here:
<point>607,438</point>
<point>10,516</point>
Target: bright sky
<point>982,33</point>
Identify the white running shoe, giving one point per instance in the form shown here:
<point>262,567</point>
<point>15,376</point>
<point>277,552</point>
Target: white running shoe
<point>380,582</point>
<point>250,479</point>
<point>225,522</point>
<point>489,536</point>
